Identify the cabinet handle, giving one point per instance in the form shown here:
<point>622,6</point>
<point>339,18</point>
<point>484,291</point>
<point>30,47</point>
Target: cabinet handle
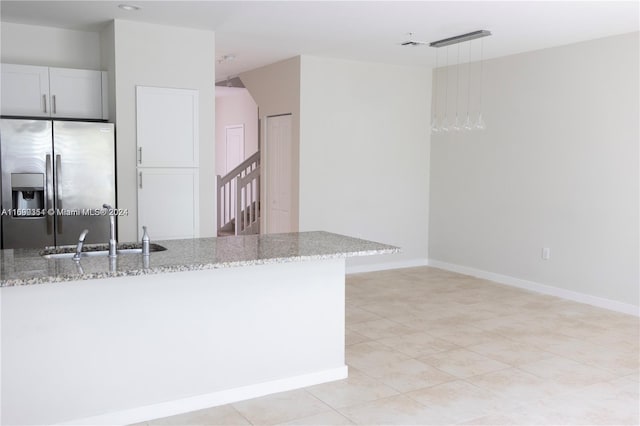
<point>44,103</point>
<point>140,180</point>
<point>58,201</point>
<point>140,155</point>
<point>53,103</point>
<point>48,193</point>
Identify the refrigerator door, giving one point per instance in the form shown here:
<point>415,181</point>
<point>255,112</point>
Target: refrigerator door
<point>27,183</point>
<point>84,170</point>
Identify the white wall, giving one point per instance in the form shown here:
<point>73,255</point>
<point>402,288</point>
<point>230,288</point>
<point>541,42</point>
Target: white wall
<point>364,153</point>
<point>276,90</point>
<point>108,64</point>
<point>163,56</point>
<point>556,167</point>
<point>235,106</point>
<point>48,46</point>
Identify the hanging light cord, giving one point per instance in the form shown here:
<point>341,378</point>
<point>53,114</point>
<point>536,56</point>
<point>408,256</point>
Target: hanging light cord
<point>469,82</point>
<point>446,88</point>
<point>457,81</point>
<point>435,81</point>
<point>481,73</point>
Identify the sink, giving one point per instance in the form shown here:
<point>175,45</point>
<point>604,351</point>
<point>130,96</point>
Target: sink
<point>97,250</point>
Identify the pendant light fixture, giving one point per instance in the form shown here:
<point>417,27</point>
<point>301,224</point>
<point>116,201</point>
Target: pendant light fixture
<point>469,123</point>
<point>444,123</point>
<point>480,123</point>
<point>456,122</point>
<point>434,113</point>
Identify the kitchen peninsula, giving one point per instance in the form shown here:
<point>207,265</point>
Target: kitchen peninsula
<point>206,322</point>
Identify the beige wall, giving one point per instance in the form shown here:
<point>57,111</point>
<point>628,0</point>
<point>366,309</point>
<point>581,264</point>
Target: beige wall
<point>48,46</point>
<point>556,167</point>
<point>236,106</point>
<point>364,154</point>
<point>163,56</point>
<point>276,90</point>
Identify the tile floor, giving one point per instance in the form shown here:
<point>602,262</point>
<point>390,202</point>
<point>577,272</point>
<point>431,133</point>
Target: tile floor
<point>431,347</point>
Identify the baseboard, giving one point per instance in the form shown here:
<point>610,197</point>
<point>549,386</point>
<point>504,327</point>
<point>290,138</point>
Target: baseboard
<point>180,406</point>
<point>600,302</point>
<point>411,263</point>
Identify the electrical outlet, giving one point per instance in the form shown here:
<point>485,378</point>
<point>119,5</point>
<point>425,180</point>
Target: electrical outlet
<point>546,253</point>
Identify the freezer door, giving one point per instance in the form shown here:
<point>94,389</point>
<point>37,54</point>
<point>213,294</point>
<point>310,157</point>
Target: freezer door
<point>27,183</point>
<point>84,169</point>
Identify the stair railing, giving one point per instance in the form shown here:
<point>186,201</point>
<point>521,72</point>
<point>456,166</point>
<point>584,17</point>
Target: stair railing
<point>248,203</point>
<point>239,191</point>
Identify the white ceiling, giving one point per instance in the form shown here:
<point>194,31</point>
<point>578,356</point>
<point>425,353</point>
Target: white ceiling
<point>262,32</point>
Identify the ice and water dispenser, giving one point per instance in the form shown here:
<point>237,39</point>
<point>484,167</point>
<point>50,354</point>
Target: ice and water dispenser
<point>27,191</point>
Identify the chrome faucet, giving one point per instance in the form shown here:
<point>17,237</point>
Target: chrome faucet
<point>113,243</point>
<point>78,254</point>
<point>146,243</point>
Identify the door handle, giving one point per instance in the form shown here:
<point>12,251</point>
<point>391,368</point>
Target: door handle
<point>140,183</point>
<point>140,155</point>
<point>44,103</point>
<point>58,193</point>
<point>49,193</point>
<point>53,103</point>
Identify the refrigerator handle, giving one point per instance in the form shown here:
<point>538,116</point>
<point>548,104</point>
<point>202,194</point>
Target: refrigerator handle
<point>58,194</point>
<point>49,194</point>
<point>140,155</point>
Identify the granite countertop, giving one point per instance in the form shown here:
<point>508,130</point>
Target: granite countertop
<point>27,267</point>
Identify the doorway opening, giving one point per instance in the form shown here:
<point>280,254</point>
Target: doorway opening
<point>237,155</point>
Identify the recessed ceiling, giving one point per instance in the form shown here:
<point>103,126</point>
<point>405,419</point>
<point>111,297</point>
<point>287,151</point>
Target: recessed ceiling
<point>262,32</point>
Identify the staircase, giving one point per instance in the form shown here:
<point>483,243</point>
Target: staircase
<point>238,194</point>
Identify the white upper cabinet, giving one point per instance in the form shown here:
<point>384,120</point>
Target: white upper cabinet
<point>75,93</point>
<point>33,91</point>
<point>25,90</point>
<point>167,127</point>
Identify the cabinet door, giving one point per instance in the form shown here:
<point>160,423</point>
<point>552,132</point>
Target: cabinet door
<point>167,127</point>
<point>168,203</point>
<point>75,93</point>
<point>25,90</point>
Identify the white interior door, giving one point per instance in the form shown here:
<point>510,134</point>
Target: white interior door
<point>234,145</point>
<point>279,164</point>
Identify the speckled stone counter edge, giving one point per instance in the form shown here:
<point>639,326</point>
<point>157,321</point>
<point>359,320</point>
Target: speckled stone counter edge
<point>380,249</point>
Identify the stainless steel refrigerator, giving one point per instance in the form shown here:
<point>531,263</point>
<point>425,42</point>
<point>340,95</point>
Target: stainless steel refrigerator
<point>55,174</point>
